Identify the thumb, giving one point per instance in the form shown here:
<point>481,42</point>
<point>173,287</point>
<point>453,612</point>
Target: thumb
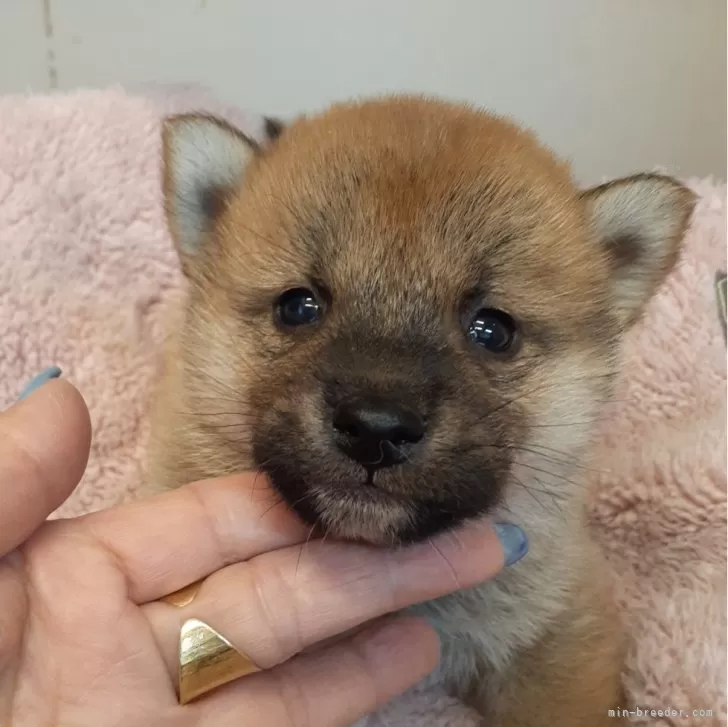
<point>44,446</point>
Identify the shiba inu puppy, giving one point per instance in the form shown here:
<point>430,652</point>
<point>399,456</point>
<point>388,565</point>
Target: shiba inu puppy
<point>407,315</point>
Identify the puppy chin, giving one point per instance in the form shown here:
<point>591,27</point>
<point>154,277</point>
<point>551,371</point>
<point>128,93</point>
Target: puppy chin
<point>359,517</point>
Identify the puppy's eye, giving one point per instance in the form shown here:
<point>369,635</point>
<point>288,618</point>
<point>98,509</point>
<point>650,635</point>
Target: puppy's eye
<point>298,307</point>
<point>494,330</point>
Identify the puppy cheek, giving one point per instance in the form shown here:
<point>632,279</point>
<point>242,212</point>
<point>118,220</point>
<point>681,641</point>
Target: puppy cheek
<point>290,423</point>
<point>563,418</point>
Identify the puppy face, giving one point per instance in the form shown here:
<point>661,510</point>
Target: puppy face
<point>402,311</point>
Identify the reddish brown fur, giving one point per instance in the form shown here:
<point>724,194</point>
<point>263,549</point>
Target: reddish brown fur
<point>401,209</point>
<point>571,677</point>
<point>495,184</point>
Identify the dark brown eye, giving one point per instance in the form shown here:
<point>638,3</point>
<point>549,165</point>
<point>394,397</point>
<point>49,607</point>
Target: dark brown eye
<point>298,307</point>
<point>493,330</point>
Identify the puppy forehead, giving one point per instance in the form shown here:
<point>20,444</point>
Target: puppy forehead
<point>417,195</point>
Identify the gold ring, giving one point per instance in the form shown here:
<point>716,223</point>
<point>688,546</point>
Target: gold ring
<point>185,595</point>
<point>207,660</point>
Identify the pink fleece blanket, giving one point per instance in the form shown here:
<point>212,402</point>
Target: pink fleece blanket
<point>86,265</point>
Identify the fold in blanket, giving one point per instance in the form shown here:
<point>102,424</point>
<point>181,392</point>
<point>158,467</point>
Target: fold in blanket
<point>86,267</point>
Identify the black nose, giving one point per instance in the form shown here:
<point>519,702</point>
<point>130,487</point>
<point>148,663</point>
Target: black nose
<point>376,432</point>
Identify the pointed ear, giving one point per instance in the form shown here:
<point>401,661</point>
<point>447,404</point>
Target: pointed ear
<point>205,160</point>
<point>273,128</point>
<point>641,221</point>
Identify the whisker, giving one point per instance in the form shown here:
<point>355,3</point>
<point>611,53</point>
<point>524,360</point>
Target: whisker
<point>327,530</point>
<point>585,422</point>
<point>260,471</point>
<point>528,490</point>
<point>547,472</point>
<point>555,499</point>
<point>300,552</point>
<point>283,501</point>
<point>569,459</point>
<point>456,538</point>
<point>207,374</point>
<point>278,502</point>
<point>447,563</point>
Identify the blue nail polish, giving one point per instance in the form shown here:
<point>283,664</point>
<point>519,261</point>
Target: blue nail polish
<point>51,373</point>
<point>513,540</point>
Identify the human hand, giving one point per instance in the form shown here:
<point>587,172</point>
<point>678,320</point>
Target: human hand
<point>84,640</point>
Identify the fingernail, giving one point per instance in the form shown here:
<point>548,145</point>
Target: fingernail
<point>513,540</point>
<point>51,373</point>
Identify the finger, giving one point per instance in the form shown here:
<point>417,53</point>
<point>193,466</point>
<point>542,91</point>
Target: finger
<point>44,447</point>
<point>169,541</point>
<point>280,603</point>
<point>330,688</point>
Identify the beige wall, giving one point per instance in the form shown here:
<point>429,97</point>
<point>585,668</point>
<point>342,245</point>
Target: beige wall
<point>615,85</point>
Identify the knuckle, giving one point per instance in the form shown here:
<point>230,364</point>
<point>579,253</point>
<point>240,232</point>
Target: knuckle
<point>220,547</point>
<point>391,587</point>
<point>276,613</point>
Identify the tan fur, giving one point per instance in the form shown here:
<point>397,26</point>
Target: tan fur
<point>400,208</point>
<point>571,676</point>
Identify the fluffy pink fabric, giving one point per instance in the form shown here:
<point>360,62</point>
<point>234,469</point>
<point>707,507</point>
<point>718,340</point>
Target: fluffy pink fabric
<point>86,265</point>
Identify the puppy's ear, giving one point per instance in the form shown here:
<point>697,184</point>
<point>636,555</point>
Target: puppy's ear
<point>205,160</point>
<point>641,221</point>
<point>273,128</point>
